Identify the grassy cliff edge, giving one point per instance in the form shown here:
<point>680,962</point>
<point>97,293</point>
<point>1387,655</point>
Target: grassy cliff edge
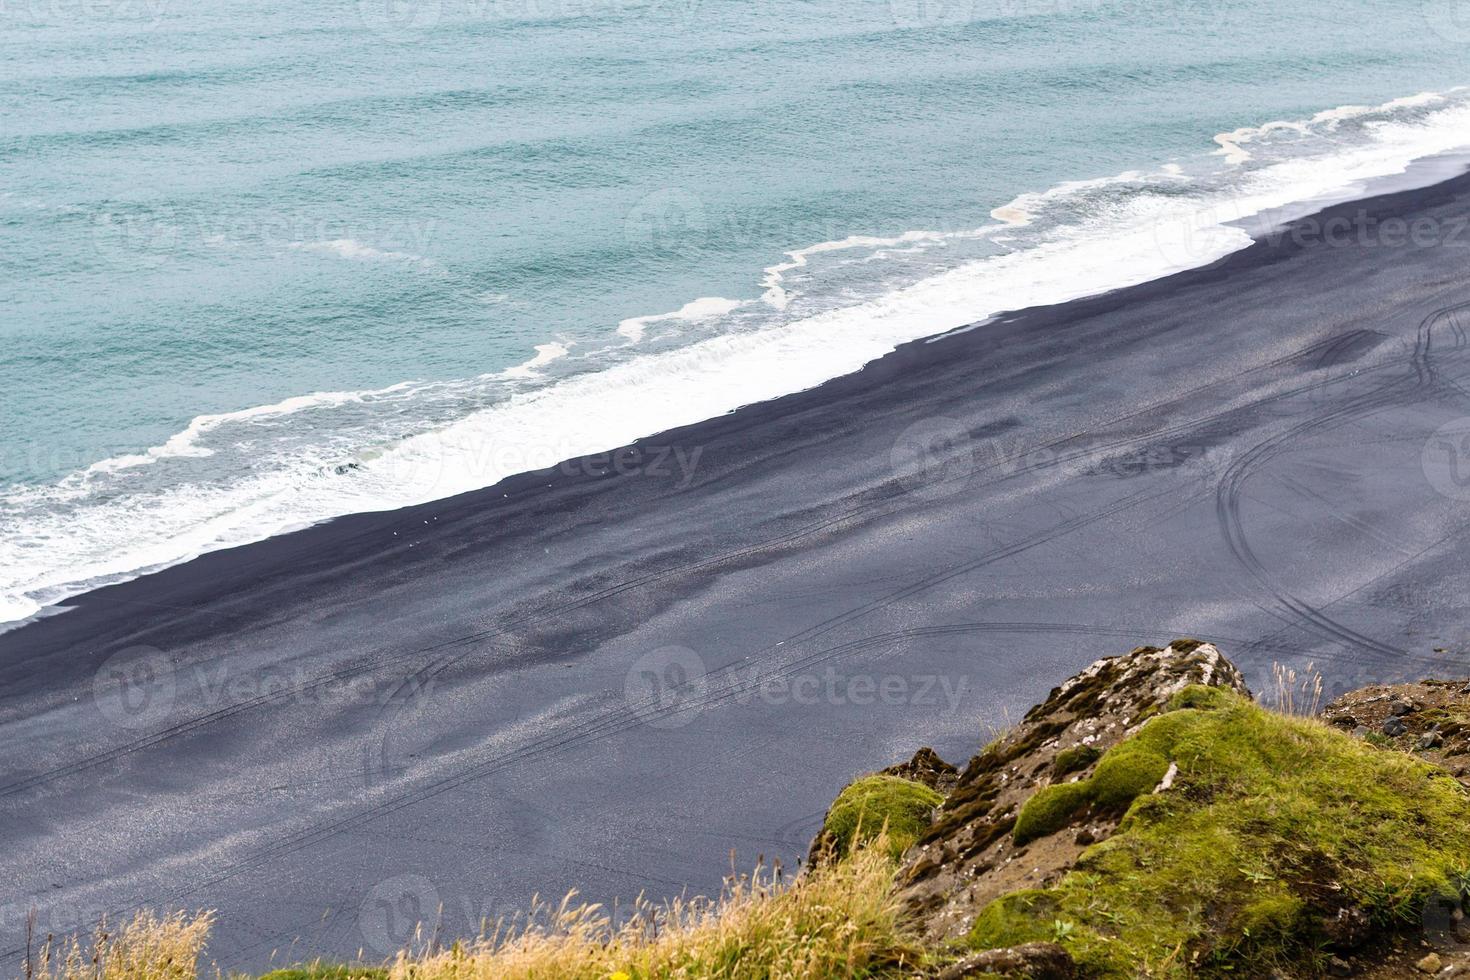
<point>1150,819</point>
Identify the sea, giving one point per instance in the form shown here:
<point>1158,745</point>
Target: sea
<point>268,262</point>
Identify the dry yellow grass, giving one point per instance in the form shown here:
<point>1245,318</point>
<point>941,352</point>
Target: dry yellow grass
<point>1301,696</point>
<point>840,920</point>
<point>145,948</point>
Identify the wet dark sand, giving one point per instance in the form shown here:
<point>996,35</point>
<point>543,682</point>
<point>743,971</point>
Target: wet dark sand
<point>331,734</point>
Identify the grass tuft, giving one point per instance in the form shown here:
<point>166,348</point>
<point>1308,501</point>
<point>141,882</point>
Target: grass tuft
<point>840,919</point>
<point>144,948</point>
<point>1296,695</point>
<point>328,971</point>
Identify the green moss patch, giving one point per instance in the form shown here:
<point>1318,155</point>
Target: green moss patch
<point>862,810</point>
<point>328,971</point>
<point>1050,810</point>
<point>1126,772</point>
<point>1075,759</point>
<point>1272,825</point>
<point>1027,916</point>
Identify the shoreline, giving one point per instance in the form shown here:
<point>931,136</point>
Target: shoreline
<point>481,449</point>
<point>1086,461</point>
<point>664,450</point>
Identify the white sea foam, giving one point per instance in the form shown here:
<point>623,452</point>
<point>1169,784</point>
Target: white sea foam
<point>186,442</point>
<point>545,354</point>
<point>16,608</point>
<point>1112,232</point>
<point>1233,143</point>
<point>704,308</point>
<point>776,295</point>
<point>1022,211</point>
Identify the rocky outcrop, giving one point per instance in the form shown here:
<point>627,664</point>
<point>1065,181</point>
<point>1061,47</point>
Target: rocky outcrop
<point>1430,718</point>
<point>927,768</point>
<point>1150,818</point>
<point>968,856</point>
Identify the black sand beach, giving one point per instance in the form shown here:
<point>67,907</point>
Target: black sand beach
<point>609,675</point>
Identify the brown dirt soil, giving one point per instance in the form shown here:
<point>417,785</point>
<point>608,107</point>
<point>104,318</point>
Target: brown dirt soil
<point>1433,722</point>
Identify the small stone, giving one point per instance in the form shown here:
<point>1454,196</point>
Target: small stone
<point>1400,708</point>
<point>1430,740</point>
<point>1084,837</point>
<point>1393,727</point>
<point>1360,732</point>
<point>1041,961</point>
<point>1338,967</point>
<point>1429,964</point>
<point>1349,929</point>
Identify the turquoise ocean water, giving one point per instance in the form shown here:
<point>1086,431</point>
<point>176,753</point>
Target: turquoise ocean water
<point>268,262</point>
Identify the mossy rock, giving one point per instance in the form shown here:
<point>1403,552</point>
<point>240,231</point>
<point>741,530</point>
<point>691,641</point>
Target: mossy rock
<point>1271,826</point>
<point>1075,759</point>
<point>328,971</point>
<point>1049,810</point>
<point>1126,772</point>
<point>1200,696</point>
<point>867,805</point>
